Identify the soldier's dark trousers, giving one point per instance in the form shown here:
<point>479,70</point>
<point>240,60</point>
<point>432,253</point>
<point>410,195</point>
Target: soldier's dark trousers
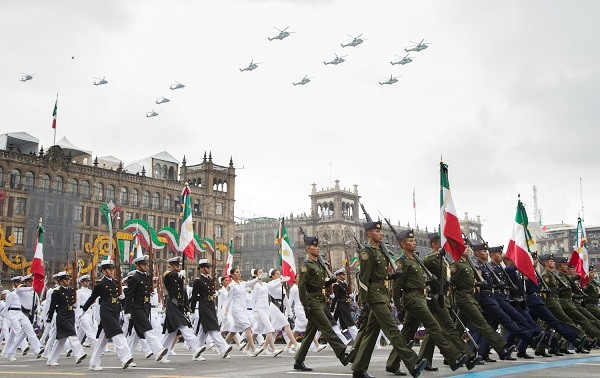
<point>318,321</point>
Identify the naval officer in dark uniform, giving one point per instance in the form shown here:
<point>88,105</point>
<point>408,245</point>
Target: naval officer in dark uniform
<point>203,294</point>
<point>63,303</point>
<point>341,303</point>
<point>137,307</point>
<point>110,312</point>
<point>177,309</point>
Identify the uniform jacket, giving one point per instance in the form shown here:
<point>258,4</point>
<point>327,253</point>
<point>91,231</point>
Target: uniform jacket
<point>110,306</point>
<point>63,303</point>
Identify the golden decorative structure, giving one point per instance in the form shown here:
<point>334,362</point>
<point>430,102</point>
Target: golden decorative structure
<point>20,262</point>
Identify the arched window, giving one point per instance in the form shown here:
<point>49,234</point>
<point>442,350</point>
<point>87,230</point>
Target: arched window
<point>197,207</point>
<point>157,170</point>
<point>156,201</point>
<point>123,196</point>
<point>45,181</point>
<point>110,193</point>
<point>29,180</point>
<point>165,172</point>
<point>85,189</point>
<point>15,178</point>
<point>133,197</point>
<point>225,186</point>
<point>167,203</point>
<point>171,173</point>
<point>72,186</point>
<point>146,199</point>
<point>57,184</point>
<point>99,192</point>
<point>85,161</point>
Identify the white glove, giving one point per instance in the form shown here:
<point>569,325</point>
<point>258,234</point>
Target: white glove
<point>127,316</point>
<point>285,278</point>
<point>182,273</point>
<point>263,276</point>
<point>122,296</point>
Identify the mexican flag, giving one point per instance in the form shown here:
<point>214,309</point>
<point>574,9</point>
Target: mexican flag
<point>288,263</point>
<point>37,264</point>
<point>518,246</point>
<point>229,263</point>
<point>54,113</point>
<point>579,258</point>
<point>451,234</point>
<point>186,235</point>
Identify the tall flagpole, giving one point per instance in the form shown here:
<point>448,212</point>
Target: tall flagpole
<point>581,197</point>
<point>415,207</point>
<point>55,115</point>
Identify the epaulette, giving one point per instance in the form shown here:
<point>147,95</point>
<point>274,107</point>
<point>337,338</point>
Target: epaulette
<point>166,272</point>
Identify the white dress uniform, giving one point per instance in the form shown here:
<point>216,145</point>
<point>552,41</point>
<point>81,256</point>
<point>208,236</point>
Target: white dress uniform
<point>226,320</point>
<point>19,323</point>
<point>278,319</point>
<point>85,324</point>
<point>156,312</point>
<point>260,305</point>
<point>300,316</point>
<point>236,305</point>
<point>50,329</point>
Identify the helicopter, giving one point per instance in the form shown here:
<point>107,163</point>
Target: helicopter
<point>178,85</point>
<point>151,113</point>
<point>337,60</point>
<point>251,66</point>
<point>162,100</point>
<point>26,77</point>
<point>100,81</point>
<point>305,80</point>
<point>282,34</point>
<point>405,60</point>
<point>420,46</point>
<point>390,81</point>
<point>355,41</point>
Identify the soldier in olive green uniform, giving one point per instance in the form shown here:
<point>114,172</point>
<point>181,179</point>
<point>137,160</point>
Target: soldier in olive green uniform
<point>462,282</point>
<point>552,296</point>
<point>591,289</point>
<point>374,295</point>
<point>311,289</point>
<point>412,283</point>
<point>565,296</point>
<point>438,265</point>
<point>579,297</point>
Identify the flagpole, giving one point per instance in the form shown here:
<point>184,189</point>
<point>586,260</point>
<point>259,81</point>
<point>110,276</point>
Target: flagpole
<point>415,206</point>
<point>55,127</point>
<point>581,196</point>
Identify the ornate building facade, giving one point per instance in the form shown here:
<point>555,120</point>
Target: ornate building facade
<point>562,239</point>
<point>65,188</point>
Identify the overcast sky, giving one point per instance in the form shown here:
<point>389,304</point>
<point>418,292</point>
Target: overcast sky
<point>507,92</point>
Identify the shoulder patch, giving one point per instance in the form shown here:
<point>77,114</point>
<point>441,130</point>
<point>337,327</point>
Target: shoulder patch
<point>547,279</point>
<point>453,268</point>
<point>399,263</point>
<point>303,269</point>
<point>364,255</point>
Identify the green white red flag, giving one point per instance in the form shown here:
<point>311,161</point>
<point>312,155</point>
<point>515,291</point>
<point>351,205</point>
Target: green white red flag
<point>579,257</point>
<point>54,113</point>
<point>37,264</point>
<point>229,262</point>
<point>288,262</point>
<point>451,234</point>
<point>518,246</point>
<point>186,235</point>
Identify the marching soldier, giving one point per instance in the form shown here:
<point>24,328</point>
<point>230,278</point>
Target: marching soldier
<point>85,327</point>
<point>438,265</point>
<point>374,295</point>
<point>110,312</point>
<point>591,290</point>
<point>311,286</point>
<point>203,294</point>
<point>579,297</point>
<point>341,303</point>
<point>462,282</point>
<point>137,307</point>
<point>411,283</point>
<point>176,303</point>
<point>63,303</point>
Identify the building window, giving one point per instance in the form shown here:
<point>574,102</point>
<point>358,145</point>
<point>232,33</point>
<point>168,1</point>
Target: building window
<point>21,206</point>
<point>219,208</point>
<point>123,196</point>
<point>133,198</point>
<point>218,230</point>
<point>85,189</point>
<point>19,233</point>
<point>128,216</point>
<point>29,180</point>
<point>78,213</point>
<point>57,184</point>
<point>146,199</point>
<point>77,241</point>
<point>151,220</point>
<point>99,192</point>
<point>110,193</point>
<point>1,177</point>
<point>15,179</point>
<point>156,201</point>
<point>197,207</point>
<point>157,171</point>
<point>45,181</point>
<point>172,223</point>
<point>72,186</point>
<point>218,254</point>
<point>167,203</point>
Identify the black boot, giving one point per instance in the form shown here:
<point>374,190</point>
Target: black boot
<point>345,359</point>
<point>419,367</point>
<point>524,355</point>
<point>395,370</point>
<point>459,363</point>
<point>299,365</point>
<point>505,352</point>
<point>473,362</point>
<point>542,353</point>
<point>361,374</point>
<point>431,368</point>
<point>349,357</point>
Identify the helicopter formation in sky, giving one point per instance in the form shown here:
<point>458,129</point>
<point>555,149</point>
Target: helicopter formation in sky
<point>102,81</point>
<point>353,42</point>
<point>26,77</point>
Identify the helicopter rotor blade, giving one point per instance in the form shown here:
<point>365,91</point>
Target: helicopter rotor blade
<point>359,35</point>
<point>286,28</point>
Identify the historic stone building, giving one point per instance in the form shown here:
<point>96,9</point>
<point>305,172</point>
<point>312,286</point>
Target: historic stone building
<point>562,239</point>
<point>65,188</point>
<point>335,217</point>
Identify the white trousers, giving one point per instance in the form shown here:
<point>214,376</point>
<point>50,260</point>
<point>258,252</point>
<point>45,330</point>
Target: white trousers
<point>120,343</point>
<point>22,328</point>
<point>151,343</point>
<point>188,336</point>
<point>216,338</point>
<point>59,345</point>
<point>85,328</point>
<point>353,332</point>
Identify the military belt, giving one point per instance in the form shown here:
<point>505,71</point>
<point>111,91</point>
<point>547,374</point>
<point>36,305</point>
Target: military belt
<point>488,290</point>
<point>377,281</point>
<point>114,300</point>
<point>14,309</point>
<point>414,290</point>
<point>154,306</point>
<point>208,298</point>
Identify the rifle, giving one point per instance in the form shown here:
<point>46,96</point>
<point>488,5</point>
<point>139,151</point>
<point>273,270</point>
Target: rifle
<point>584,295</point>
<point>478,276</point>
<point>320,259</point>
<point>465,329</point>
<point>546,288</point>
<point>118,274</point>
<point>384,248</point>
<point>349,283</point>
<point>558,279</point>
